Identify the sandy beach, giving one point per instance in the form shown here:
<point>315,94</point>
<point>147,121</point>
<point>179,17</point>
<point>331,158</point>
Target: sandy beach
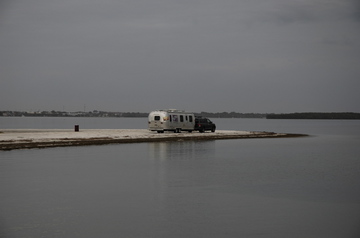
<point>11,139</point>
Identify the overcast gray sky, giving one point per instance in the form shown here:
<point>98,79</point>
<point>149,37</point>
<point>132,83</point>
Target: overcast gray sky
<point>196,55</point>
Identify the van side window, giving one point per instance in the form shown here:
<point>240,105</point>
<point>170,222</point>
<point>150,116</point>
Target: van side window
<point>190,118</point>
<point>181,118</point>
<point>157,118</point>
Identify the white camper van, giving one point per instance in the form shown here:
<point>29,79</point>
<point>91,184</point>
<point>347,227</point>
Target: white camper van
<point>171,120</point>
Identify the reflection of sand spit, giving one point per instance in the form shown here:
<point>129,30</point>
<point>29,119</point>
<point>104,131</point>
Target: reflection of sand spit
<point>28,138</point>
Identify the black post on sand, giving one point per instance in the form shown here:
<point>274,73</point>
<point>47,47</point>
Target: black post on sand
<point>76,127</point>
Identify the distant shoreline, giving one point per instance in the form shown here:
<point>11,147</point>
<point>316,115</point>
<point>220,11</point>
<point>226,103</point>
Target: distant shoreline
<point>316,116</point>
<point>102,114</point>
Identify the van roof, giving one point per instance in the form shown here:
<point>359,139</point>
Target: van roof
<point>171,110</point>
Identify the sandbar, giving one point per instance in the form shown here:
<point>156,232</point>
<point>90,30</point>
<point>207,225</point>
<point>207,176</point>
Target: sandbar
<point>11,139</point>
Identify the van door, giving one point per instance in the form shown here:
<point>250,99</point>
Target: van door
<point>155,122</point>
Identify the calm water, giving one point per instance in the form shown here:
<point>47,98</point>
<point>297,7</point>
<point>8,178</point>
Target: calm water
<point>298,187</point>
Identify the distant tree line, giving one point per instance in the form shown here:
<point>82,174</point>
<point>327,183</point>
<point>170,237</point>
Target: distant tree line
<point>53,113</point>
<point>95,113</point>
<point>230,115</point>
<point>316,115</point>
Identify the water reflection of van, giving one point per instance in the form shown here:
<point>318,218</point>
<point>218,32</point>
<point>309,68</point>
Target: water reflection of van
<point>171,120</point>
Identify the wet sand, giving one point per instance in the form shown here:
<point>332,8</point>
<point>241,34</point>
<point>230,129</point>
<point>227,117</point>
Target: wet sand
<point>11,139</point>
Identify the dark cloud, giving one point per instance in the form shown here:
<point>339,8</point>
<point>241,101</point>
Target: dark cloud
<point>356,12</point>
<point>309,11</point>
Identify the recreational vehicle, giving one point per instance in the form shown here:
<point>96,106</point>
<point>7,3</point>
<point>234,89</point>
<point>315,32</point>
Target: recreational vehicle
<point>171,120</point>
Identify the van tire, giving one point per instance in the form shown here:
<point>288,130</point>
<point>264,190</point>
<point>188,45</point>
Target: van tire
<point>213,129</point>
